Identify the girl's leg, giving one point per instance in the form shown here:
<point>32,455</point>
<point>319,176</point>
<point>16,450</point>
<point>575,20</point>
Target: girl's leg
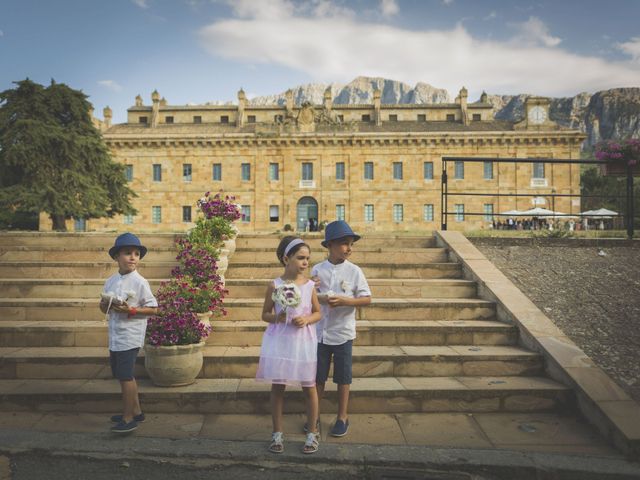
<point>311,396</point>
<point>277,403</point>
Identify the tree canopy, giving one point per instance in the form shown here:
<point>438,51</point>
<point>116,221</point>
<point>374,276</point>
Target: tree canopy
<point>53,159</point>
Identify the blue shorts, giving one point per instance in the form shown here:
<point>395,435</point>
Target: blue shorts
<point>123,363</point>
<point>341,363</point>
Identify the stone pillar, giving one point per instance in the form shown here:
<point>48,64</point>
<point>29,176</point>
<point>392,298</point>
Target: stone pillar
<point>242,103</point>
<point>108,114</point>
<point>138,101</point>
<point>155,108</point>
<point>377,116</point>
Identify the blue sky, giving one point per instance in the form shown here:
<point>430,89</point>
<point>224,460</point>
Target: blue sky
<point>194,51</point>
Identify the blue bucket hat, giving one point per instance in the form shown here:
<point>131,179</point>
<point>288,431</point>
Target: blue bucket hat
<point>336,230</point>
<point>127,240</point>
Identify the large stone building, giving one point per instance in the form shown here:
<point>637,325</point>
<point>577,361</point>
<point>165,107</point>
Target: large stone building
<point>377,166</point>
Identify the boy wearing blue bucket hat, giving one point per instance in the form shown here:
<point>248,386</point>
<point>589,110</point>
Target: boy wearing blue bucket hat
<point>127,301</point>
<point>342,287</point>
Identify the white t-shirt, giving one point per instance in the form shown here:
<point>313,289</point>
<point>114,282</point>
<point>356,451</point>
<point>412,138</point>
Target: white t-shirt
<point>126,333</point>
<point>338,324</point>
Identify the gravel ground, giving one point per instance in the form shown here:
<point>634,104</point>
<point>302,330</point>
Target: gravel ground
<point>593,298</point>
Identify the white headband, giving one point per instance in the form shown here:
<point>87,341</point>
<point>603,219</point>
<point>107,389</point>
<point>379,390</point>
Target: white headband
<point>292,244</point>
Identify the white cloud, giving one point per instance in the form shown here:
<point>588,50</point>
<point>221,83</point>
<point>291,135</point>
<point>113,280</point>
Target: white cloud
<point>141,3</point>
<point>491,15</point>
<point>632,48</point>
<point>334,49</point>
<point>110,85</point>
<point>534,32</point>
<point>389,8</point>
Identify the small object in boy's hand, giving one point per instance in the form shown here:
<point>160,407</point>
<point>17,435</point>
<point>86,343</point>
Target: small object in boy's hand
<point>110,297</point>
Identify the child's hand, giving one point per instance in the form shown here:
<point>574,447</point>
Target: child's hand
<point>281,317</point>
<point>299,321</point>
<point>121,307</point>
<point>338,301</point>
<point>316,280</point>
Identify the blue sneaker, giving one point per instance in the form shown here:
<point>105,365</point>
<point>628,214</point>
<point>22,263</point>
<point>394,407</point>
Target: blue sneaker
<point>122,427</point>
<point>138,418</point>
<point>340,428</point>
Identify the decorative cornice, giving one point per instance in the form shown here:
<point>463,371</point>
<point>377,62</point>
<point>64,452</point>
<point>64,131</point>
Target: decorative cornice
<point>524,138</point>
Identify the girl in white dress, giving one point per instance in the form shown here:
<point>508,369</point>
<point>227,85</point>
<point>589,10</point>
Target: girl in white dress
<point>289,346</point>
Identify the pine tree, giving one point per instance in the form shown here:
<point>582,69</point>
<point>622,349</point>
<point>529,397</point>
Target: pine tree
<point>53,159</point>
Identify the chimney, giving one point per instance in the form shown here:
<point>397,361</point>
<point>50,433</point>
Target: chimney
<point>328,103</point>
<point>242,103</point>
<point>462,98</point>
<point>155,108</point>
<point>376,106</point>
<point>108,114</point>
<point>138,101</point>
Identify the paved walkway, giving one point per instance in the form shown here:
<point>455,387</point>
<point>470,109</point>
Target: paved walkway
<point>544,432</point>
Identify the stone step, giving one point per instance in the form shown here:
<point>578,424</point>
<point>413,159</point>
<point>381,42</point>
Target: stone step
<point>250,270</point>
<point>79,270</point>
<point>371,255</point>
<point>242,362</point>
<point>75,254</point>
<point>249,333</point>
<point>89,288</point>
<point>238,288</point>
<point>244,395</point>
<point>38,309</point>
<point>85,239</point>
<point>378,240</point>
<point>167,240</point>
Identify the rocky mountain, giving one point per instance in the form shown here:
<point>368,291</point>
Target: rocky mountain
<point>607,114</point>
<point>360,90</point>
<point>604,115</point>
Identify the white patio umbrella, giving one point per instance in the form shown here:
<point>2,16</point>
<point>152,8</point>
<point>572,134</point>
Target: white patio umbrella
<point>513,213</point>
<point>539,212</point>
<point>600,213</point>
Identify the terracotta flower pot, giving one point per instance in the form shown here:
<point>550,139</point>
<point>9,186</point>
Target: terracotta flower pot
<point>175,365</point>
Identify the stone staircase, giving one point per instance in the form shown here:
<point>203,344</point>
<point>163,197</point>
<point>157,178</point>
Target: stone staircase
<point>425,344</point>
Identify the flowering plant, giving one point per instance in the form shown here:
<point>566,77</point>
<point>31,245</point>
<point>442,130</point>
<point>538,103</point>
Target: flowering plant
<point>195,286</point>
<point>217,206</point>
<point>627,151</point>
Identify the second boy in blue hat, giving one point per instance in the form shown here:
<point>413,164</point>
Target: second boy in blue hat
<point>342,287</point>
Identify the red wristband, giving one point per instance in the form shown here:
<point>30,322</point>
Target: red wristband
<point>132,311</point>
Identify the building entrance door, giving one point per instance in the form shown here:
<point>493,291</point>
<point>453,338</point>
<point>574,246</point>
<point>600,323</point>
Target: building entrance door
<point>307,209</point>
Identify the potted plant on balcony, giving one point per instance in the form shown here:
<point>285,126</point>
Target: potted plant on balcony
<point>621,156</point>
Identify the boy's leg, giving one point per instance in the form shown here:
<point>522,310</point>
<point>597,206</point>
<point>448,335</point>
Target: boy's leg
<point>122,367</point>
<point>342,360</point>
<point>343,401</point>
<point>322,370</point>
<point>277,403</point>
<point>130,399</point>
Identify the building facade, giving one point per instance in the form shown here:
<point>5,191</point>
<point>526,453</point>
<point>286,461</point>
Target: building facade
<point>377,166</point>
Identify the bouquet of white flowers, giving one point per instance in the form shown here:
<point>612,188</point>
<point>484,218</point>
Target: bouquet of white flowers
<point>287,295</point>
